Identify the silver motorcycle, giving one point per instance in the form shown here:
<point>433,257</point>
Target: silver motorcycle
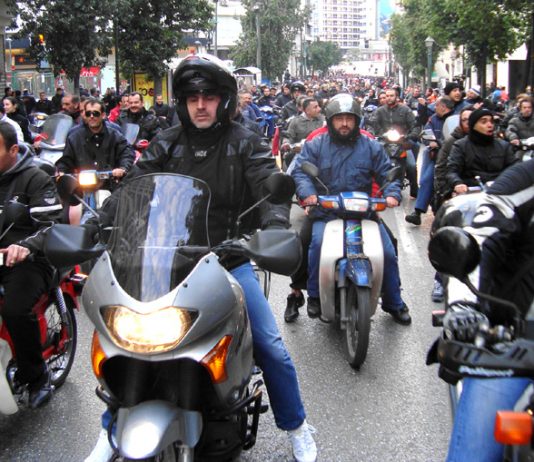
<point>172,347</point>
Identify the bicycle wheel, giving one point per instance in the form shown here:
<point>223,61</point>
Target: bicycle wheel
<point>358,325</point>
<point>60,343</point>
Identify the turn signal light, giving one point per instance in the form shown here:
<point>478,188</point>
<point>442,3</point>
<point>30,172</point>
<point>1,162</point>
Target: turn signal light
<point>98,357</point>
<point>215,360</point>
<point>513,428</point>
<point>379,206</point>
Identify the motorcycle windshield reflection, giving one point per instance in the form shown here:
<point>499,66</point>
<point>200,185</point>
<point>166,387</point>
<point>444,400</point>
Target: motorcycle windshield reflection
<point>157,217</point>
<point>55,130</point>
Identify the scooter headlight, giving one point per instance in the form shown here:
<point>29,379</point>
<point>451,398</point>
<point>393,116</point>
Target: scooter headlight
<point>154,332</point>
<point>356,204</point>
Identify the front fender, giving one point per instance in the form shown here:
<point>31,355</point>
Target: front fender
<point>8,405</point>
<point>147,429</point>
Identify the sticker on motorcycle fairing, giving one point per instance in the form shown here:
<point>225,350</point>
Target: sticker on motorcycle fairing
<point>483,215</point>
<point>353,229</point>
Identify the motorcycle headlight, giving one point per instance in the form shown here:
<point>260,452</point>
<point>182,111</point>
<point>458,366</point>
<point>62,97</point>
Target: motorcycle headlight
<point>88,178</point>
<point>393,136</point>
<point>155,332</point>
<point>356,204</point>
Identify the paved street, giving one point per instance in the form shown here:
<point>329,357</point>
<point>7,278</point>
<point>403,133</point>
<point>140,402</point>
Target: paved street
<point>393,409</point>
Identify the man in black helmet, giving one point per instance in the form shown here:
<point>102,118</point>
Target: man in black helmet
<point>234,162</point>
<point>348,161</point>
<point>290,109</point>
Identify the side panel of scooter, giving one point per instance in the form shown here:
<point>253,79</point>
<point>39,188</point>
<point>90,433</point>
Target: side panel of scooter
<point>331,251</point>
<point>137,440</point>
<point>374,250</point>
<point>8,404</point>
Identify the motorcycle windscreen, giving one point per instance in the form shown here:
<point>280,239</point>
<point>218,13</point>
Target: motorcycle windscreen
<point>158,217</point>
<point>55,130</point>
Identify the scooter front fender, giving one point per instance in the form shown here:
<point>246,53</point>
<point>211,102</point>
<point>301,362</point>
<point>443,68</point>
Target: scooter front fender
<point>8,405</point>
<point>147,429</point>
<point>332,250</point>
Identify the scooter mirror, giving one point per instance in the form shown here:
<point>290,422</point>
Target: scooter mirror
<point>453,251</point>
<point>17,214</point>
<point>310,169</point>
<point>281,188</point>
<point>394,174</point>
<point>67,188</point>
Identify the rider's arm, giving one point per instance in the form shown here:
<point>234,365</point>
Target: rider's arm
<point>304,184</point>
<point>512,130</point>
<point>67,162</point>
<point>455,165</point>
<point>124,154</point>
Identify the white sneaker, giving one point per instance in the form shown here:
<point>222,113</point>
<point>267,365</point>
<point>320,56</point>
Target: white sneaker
<point>102,452</point>
<point>304,448</point>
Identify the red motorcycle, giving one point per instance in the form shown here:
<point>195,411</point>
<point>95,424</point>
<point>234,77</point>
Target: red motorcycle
<point>58,329</point>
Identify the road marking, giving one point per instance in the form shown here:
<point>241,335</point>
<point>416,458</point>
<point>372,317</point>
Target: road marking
<point>407,241</point>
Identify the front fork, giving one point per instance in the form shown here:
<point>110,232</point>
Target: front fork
<point>355,268</point>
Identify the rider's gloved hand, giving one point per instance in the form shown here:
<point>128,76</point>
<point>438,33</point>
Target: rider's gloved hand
<point>462,323</point>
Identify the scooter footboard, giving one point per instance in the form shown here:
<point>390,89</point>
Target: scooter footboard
<point>147,429</point>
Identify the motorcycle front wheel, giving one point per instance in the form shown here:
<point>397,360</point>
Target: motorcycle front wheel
<point>358,325</point>
<point>60,343</point>
<point>169,454</point>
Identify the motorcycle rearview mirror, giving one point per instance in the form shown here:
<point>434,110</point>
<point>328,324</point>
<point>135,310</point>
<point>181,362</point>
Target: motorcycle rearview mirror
<point>453,251</point>
<point>279,187</point>
<point>68,245</point>
<point>17,214</point>
<point>312,170</point>
<point>68,189</point>
<point>428,135</point>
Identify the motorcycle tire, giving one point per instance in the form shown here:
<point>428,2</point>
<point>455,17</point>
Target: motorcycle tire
<point>60,344</point>
<point>358,325</point>
<point>169,454</point>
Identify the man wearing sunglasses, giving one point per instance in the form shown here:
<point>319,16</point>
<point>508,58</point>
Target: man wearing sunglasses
<point>95,146</point>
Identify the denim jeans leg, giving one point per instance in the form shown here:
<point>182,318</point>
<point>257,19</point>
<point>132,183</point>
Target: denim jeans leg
<point>314,256</point>
<point>472,434</point>
<point>271,354</point>
<point>411,173</point>
<point>426,185</point>
<point>391,297</point>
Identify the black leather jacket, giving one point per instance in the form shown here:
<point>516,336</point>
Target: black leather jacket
<point>104,151</point>
<point>148,123</point>
<point>234,167</point>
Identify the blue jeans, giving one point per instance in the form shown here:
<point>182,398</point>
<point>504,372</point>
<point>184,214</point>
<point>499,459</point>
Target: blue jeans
<point>391,298</point>
<point>472,434</point>
<point>270,355</point>
<point>426,183</point>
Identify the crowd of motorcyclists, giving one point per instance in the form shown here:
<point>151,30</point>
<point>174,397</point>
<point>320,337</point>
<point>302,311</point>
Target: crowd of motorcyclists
<point>215,130</point>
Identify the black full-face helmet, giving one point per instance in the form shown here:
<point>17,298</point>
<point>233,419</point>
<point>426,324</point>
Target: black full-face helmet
<point>204,74</point>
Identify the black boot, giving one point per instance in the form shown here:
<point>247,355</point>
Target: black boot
<point>40,391</point>
<point>314,307</point>
<point>294,301</point>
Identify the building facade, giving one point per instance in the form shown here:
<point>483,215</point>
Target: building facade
<point>349,23</point>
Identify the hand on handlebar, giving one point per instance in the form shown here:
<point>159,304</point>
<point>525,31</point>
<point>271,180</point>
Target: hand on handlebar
<point>307,202</point>
<point>461,189</point>
<point>14,254</point>
<point>391,202</point>
<point>463,323</point>
<point>118,172</point>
